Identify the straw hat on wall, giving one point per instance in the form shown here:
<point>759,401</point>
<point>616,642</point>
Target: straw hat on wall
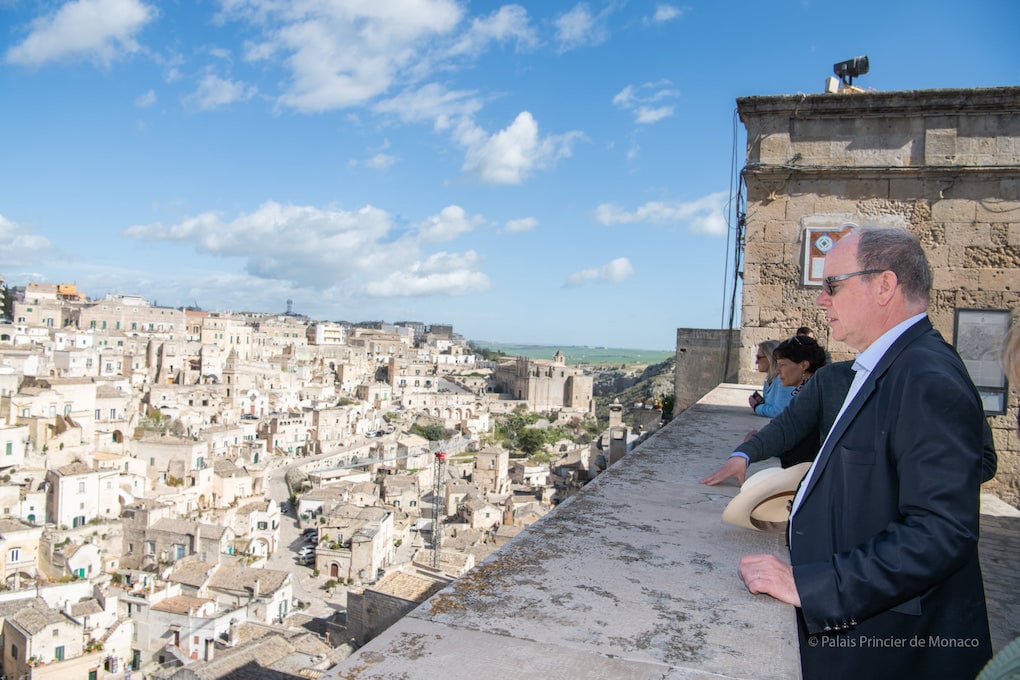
<point>763,503</point>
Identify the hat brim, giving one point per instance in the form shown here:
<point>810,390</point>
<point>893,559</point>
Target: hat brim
<point>763,503</point>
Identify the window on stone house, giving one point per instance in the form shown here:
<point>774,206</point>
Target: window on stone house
<point>81,486</point>
<point>98,414</point>
<point>56,633</point>
<point>14,555</point>
<point>14,651</point>
<point>8,448</point>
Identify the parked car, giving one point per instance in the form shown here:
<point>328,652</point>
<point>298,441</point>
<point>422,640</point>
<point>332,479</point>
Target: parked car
<point>306,551</point>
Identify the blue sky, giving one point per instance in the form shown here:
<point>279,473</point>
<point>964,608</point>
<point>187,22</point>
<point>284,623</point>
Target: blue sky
<point>537,172</point>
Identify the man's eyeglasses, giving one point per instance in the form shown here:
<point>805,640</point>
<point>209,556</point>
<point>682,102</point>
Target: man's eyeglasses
<point>828,281</point>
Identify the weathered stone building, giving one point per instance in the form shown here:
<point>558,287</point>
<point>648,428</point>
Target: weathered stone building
<point>944,164</point>
<point>546,385</point>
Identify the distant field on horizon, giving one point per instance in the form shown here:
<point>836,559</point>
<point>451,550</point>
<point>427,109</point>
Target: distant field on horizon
<point>581,355</point>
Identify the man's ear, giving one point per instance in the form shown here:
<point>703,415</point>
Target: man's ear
<point>886,284</point>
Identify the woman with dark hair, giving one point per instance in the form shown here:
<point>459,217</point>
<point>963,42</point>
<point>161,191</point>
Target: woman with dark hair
<point>797,359</point>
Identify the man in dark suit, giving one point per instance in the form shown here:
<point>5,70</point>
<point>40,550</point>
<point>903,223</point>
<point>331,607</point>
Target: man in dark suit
<point>884,530</point>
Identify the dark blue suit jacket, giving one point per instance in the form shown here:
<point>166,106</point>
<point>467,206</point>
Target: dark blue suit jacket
<point>884,543</point>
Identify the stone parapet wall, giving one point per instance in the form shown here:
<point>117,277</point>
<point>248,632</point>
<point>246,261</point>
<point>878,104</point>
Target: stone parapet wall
<point>944,164</point>
<point>704,358</point>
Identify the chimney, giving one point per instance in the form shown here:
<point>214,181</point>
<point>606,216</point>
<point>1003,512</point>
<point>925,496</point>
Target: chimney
<point>255,590</point>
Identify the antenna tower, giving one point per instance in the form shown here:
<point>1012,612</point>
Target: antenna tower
<point>438,502</point>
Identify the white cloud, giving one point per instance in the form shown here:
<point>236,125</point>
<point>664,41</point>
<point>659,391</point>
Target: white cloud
<point>214,92</point>
<point>100,30</point>
<point>335,251</point>
<point>18,245</point>
<point>445,109</point>
<point>509,22</point>
<point>506,157</point>
<point>664,13</point>
<point>643,101</point>
<point>380,161</point>
<point>522,224</point>
<point>579,27</point>
<point>146,100</point>
<point>511,155</point>
<point>616,271</point>
<point>343,54</point>
<point>440,274</point>
<point>450,223</point>
<point>704,215</point>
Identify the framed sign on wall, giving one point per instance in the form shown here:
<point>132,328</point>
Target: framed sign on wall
<point>818,240</point>
<point>978,335</point>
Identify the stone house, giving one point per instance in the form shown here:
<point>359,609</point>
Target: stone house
<point>376,608</point>
<point>13,445</point>
<point>259,523</point>
<point>402,491</point>
<point>944,164</point>
<point>413,452</point>
<point>355,543</point>
<point>491,471</point>
<point>530,474</point>
<point>79,494</point>
<point>19,551</point>
<point>478,513</point>
<point>38,640</point>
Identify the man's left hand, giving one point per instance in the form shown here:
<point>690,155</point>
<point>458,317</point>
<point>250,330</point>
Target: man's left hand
<point>770,575</point>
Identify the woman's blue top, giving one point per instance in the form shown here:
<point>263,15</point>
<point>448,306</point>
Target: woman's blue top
<point>777,396</point>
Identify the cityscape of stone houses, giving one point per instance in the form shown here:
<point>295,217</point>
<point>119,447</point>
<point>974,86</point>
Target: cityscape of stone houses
<point>184,493</point>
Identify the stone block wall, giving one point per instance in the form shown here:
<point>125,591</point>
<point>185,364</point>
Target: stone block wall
<point>701,363</point>
<point>370,612</point>
<point>944,164</point>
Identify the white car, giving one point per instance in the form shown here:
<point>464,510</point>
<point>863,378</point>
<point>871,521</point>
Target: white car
<point>306,551</point>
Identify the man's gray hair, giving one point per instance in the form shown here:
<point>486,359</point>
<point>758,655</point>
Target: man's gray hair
<point>899,251</point>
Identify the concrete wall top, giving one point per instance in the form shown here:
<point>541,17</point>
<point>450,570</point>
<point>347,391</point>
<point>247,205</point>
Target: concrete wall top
<point>635,577</point>
<point>909,102</point>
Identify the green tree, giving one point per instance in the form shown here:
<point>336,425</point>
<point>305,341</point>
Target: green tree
<point>531,440</point>
<point>433,432</point>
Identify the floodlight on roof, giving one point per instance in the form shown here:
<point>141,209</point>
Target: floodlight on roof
<point>850,69</point>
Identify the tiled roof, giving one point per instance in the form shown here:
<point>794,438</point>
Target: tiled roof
<point>180,604</point>
<point>235,578</point>
<point>75,468</point>
<point>34,618</point>
<point>86,607</point>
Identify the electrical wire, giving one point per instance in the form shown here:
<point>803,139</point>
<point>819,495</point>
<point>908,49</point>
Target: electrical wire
<point>737,231</point>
